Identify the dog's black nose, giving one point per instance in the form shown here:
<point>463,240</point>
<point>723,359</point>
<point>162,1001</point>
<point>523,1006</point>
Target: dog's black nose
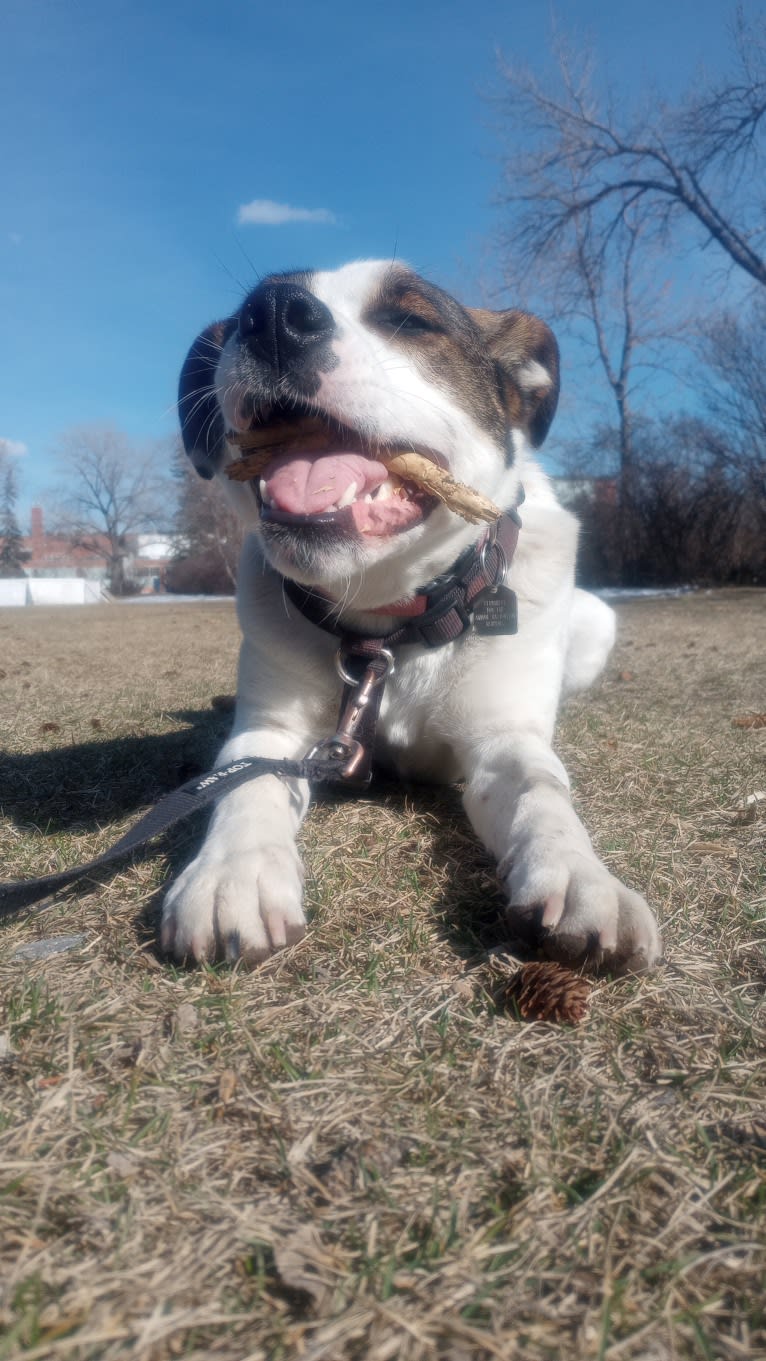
<point>281,321</point>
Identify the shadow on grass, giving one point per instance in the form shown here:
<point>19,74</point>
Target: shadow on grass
<point>81,788</point>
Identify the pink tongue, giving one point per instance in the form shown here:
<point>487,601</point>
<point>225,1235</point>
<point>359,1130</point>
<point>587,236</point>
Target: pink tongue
<point>307,485</point>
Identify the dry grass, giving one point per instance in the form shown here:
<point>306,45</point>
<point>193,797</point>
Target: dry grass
<point>350,1154</point>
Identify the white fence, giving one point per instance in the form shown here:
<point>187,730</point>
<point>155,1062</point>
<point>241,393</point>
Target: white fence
<point>50,591</point>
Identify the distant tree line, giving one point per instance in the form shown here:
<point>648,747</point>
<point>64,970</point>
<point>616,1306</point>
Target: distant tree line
<point>109,489</point>
<point>691,518</point>
<point>210,535</point>
<point>11,538</point>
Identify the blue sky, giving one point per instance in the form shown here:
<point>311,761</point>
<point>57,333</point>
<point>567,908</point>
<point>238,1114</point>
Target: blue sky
<point>133,134</point>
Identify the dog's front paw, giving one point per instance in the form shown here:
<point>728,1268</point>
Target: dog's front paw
<point>244,905</point>
<point>571,907</point>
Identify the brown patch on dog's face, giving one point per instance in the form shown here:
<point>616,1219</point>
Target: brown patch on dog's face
<point>501,367</point>
<point>527,355</point>
<point>443,341</point>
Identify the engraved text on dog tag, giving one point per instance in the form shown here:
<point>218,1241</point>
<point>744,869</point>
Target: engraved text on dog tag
<point>494,611</point>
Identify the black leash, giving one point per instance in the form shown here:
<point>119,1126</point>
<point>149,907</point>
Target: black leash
<point>173,808</point>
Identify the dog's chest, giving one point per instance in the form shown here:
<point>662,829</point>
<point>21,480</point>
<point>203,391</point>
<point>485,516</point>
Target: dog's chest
<point>418,730</point>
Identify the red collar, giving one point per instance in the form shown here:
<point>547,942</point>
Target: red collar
<point>443,609</point>
<point>403,609</point>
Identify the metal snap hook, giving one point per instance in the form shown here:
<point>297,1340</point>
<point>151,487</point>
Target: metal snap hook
<point>388,658</point>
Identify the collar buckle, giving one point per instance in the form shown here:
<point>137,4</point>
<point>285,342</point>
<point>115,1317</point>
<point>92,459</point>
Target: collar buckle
<point>445,621</point>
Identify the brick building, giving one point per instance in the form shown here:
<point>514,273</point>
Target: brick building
<point>55,555</point>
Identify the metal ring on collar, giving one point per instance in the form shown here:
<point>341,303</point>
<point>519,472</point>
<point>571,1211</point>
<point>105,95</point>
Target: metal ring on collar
<point>346,676</point>
<point>502,561</point>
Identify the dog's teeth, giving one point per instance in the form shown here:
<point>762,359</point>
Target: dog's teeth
<point>348,495</point>
<point>367,497</point>
<point>264,493</point>
<point>385,491</point>
<point>328,509</point>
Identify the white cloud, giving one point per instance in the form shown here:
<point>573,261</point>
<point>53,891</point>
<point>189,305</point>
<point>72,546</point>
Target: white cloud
<point>264,212</point>
<point>12,446</point>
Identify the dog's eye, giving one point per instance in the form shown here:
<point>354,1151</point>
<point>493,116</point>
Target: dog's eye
<point>401,322</point>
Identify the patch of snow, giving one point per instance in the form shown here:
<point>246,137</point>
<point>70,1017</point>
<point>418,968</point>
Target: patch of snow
<point>167,599</point>
<point>641,592</point>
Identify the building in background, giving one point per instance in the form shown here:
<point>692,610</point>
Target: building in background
<point>54,555</point>
<point>57,558</point>
<point>148,562</point>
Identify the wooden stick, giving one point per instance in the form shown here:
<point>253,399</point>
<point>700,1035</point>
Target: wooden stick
<point>253,464</point>
<point>465,501</point>
<point>411,467</point>
<point>264,437</point>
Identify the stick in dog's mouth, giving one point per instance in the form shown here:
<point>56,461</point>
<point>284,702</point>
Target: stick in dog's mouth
<point>423,472</point>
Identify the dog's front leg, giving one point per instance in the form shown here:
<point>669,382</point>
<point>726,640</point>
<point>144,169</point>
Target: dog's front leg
<point>560,896</point>
<point>241,897</point>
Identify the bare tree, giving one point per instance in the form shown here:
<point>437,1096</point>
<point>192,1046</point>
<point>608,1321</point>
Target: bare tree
<point>612,299</point>
<point>733,346</point>
<point>605,290</point>
<point>697,163</point>
<point>11,539</point>
<point>210,534</point>
<point>109,488</point>
<point>594,192</point>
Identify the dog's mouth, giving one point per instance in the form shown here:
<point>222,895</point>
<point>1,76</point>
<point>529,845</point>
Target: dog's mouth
<point>316,471</point>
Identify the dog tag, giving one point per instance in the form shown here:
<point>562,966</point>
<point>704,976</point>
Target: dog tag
<point>494,611</point>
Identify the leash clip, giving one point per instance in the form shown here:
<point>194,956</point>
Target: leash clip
<point>344,751</point>
<point>353,756</point>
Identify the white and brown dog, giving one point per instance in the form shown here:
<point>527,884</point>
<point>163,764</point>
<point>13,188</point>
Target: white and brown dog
<point>386,359</point>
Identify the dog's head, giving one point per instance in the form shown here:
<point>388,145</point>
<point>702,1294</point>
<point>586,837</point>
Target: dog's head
<point>341,366</point>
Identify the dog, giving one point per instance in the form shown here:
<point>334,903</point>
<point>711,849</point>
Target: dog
<point>379,358</point>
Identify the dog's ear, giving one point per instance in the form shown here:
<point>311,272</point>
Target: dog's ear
<point>198,411</point>
<point>527,355</point>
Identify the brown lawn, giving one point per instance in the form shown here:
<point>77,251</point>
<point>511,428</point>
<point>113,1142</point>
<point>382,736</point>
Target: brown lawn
<point>352,1153</point>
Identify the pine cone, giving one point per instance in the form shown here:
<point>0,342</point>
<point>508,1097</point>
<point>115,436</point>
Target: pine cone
<point>548,992</point>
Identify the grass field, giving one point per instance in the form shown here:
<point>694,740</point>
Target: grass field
<point>352,1153</point>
